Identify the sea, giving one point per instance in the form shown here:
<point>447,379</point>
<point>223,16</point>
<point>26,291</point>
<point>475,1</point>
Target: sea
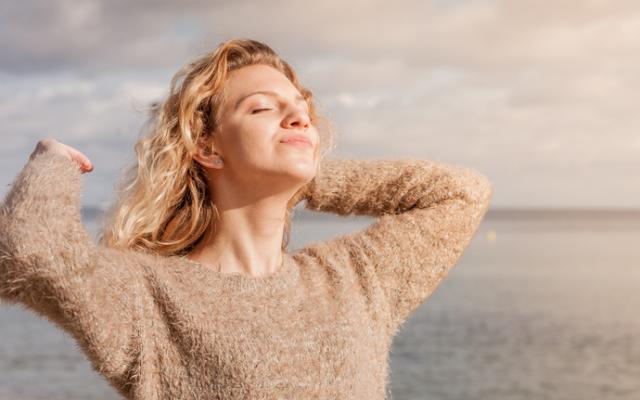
<point>543,304</point>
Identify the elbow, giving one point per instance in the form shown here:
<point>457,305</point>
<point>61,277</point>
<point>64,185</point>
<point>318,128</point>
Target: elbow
<point>485,188</point>
<point>41,247</point>
<point>478,189</point>
<point>6,248</point>
<point>460,183</point>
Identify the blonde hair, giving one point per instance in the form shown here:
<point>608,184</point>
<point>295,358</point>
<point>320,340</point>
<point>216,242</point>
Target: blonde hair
<point>163,203</point>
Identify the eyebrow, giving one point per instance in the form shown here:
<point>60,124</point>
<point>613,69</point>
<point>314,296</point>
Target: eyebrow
<point>271,93</point>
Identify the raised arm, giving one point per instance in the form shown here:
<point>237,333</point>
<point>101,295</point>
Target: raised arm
<point>427,213</point>
<point>49,264</point>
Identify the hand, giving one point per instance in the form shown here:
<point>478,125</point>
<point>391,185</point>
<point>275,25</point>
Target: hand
<point>49,144</point>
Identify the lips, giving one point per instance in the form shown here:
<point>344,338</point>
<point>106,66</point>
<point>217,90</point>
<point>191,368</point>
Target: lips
<point>296,139</point>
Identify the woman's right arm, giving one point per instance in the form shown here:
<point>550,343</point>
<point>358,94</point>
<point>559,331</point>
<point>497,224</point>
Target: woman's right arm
<point>49,264</point>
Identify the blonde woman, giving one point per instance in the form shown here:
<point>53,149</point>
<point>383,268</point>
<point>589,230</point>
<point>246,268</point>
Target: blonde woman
<point>190,292</point>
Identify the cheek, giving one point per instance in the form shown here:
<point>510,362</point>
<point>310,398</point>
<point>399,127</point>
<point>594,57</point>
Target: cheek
<point>252,140</point>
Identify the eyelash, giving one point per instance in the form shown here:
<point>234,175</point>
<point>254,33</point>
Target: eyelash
<point>263,109</point>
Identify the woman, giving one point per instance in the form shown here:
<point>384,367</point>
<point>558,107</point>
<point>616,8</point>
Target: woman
<point>190,293</point>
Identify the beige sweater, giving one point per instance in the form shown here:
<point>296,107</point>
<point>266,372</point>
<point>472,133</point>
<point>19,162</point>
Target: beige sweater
<point>319,328</point>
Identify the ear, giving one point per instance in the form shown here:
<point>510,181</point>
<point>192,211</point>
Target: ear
<point>207,156</point>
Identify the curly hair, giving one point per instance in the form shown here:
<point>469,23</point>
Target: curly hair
<point>163,202</point>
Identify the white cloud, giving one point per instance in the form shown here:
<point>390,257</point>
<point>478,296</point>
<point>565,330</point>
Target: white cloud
<point>515,89</point>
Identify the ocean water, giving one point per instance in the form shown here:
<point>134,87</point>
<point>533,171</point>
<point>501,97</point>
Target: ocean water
<point>534,309</point>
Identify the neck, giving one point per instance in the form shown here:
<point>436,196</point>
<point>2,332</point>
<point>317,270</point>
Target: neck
<point>245,240</point>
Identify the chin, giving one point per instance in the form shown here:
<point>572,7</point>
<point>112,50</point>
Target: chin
<point>302,169</point>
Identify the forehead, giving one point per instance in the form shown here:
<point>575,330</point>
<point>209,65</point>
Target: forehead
<point>253,78</point>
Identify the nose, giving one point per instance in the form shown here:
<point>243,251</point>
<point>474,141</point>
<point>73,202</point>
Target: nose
<point>297,118</point>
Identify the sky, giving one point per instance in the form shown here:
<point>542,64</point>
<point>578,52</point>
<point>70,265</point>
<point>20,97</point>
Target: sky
<point>542,98</point>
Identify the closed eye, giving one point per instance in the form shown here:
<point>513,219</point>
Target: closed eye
<point>259,109</point>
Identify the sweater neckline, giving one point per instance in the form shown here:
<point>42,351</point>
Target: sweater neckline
<point>282,278</point>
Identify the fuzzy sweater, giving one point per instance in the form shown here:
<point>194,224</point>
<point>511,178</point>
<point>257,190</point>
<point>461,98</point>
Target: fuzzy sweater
<point>320,327</point>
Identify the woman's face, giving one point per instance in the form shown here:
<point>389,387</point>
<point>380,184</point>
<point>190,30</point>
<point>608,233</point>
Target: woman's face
<point>254,125</point>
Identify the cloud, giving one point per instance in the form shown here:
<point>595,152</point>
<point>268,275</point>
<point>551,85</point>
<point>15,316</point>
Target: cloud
<point>511,88</point>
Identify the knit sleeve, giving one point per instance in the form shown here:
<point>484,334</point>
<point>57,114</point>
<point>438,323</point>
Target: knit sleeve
<point>50,265</point>
<point>426,213</point>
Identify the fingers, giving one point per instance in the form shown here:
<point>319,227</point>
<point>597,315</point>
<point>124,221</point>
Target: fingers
<point>50,144</point>
<point>82,160</point>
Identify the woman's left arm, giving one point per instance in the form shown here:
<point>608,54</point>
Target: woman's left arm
<point>426,213</point>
